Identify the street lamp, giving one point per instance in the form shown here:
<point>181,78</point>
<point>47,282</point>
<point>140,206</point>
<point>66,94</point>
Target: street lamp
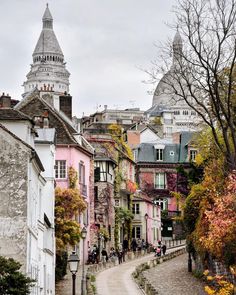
<point>73,261</point>
<point>146,218</point>
<point>83,236</point>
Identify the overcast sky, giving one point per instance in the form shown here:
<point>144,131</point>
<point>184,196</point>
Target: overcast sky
<point>105,43</point>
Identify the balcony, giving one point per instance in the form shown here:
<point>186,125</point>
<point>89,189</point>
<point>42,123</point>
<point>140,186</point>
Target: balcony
<point>83,189</point>
<point>170,214</point>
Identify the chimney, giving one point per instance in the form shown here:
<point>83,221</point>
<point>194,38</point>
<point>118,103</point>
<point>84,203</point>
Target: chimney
<point>66,104</point>
<point>45,119</point>
<point>176,137</point>
<point>5,101</point>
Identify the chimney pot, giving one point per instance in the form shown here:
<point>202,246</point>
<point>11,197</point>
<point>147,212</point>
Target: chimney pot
<point>5,101</point>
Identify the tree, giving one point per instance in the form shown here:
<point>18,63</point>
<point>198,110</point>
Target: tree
<point>202,73</point>
<point>12,281</point>
<point>68,205</point>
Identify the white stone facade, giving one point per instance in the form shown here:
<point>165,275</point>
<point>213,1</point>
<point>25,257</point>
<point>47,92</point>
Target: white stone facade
<point>48,72</point>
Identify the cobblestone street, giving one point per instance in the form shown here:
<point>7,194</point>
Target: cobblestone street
<point>172,277</point>
<point>118,280</point>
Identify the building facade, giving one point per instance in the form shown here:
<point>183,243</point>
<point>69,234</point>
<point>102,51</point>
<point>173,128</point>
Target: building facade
<point>28,196</point>
<point>162,169</point>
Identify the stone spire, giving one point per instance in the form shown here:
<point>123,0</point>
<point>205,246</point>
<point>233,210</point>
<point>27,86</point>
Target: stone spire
<point>177,48</point>
<point>48,71</point>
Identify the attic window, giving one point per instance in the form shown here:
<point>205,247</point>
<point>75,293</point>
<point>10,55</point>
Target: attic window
<point>172,153</point>
<point>159,154</point>
<point>192,155</point>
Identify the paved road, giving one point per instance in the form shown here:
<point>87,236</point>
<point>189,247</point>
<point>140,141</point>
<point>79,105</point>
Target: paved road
<point>118,280</point>
<point>172,277</point>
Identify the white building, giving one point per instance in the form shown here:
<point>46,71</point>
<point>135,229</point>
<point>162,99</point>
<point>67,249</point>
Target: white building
<point>174,113</point>
<point>48,71</point>
<point>27,196</point>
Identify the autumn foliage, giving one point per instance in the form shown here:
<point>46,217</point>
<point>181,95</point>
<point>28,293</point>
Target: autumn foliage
<point>68,204</point>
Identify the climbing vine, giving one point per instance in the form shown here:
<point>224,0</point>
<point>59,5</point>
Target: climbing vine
<point>118,136</point>
<point>68,204</point>
<point>126,216</point>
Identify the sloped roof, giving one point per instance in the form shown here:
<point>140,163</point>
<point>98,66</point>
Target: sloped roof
<point>12,114</point>
<point>33,105</point>
<point>47,43</point>
<point>172,153</point>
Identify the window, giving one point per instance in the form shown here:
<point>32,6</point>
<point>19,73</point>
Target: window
<point>185,112</point>
<point>60,169</point>
<point>159,154</point>
<point>163,203</point>
<point>193,113</point>
<point>81,173</point>
<point>192,155</point>
<point>103,171</point>
<point>168,130</point>
<point>136,232</point>
<point>160,180</point>
<point>136,208</point>
<point>97,174</point>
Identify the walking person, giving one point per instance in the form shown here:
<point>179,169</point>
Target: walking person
<point>104,255</point>
<point>164,249</point>
<point>125,246</point>
<point>134,245</point>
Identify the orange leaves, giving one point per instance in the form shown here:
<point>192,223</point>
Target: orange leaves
<point>131,186</point>
<point>68,204</point>
<point>216,229</point>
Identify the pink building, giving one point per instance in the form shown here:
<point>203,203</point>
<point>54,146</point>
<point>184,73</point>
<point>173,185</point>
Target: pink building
<point>72,150</point>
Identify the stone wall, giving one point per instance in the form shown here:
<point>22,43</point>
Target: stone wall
<point>13,197</point>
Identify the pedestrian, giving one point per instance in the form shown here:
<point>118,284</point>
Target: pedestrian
<point>139,244</point>
<point>134,245</point>
<point>143,244</point>
<point>95,253</point>
<point>125,246</point>
<point>104,255</point>
<point>164,249</point>
<point>120,255</point>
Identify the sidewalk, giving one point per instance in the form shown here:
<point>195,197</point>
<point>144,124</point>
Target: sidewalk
<point>64,287</point>
<point>172,277</point>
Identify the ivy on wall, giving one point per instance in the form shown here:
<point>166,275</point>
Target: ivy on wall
<point>68,204</point>
<point>125,216</point>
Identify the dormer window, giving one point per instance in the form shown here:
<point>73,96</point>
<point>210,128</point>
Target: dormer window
<point>159,154</point>
<point>192,155</point>
<point>159,150</point>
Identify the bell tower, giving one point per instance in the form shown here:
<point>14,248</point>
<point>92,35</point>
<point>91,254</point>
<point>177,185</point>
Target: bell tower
<point>48,71</point>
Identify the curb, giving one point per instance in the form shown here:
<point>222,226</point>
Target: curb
<point>95,269</point>
<point>142,281</point>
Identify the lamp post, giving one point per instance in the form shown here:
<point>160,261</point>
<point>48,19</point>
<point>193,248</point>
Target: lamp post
<point>73,261</point>
<point>146,218</point>
<point>189,262</point>
<point>83,236</point>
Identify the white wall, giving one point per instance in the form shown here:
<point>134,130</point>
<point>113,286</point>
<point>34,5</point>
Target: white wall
<point>148,136</point>
<point>21,129</point>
